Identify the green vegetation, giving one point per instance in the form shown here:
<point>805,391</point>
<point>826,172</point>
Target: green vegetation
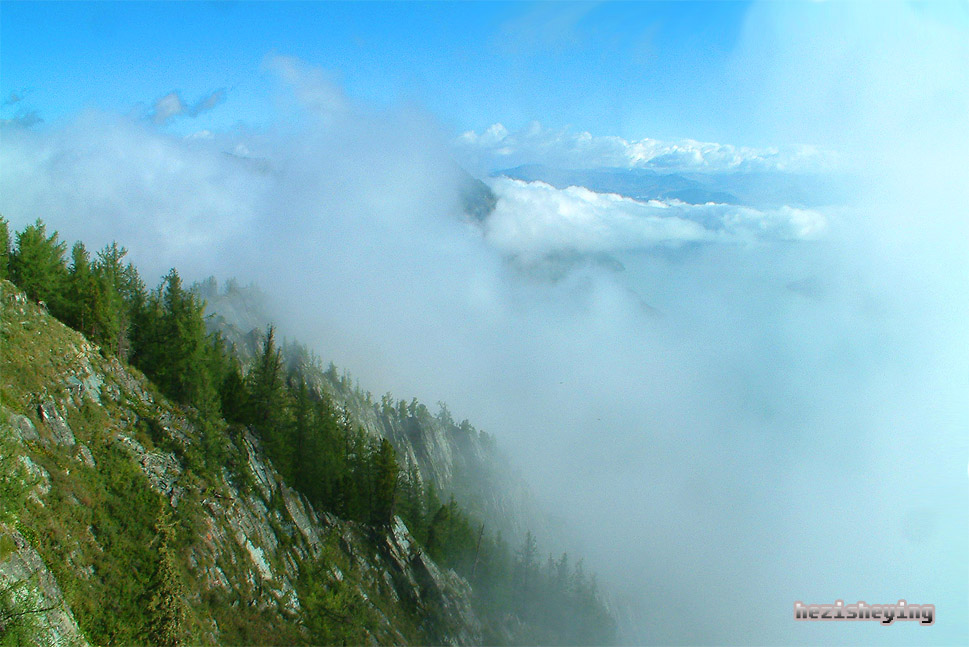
<point>166,602</point>
<point>135,582</point>
<point>19,609</point>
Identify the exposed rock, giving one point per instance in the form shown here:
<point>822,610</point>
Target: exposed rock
<point>61,433</point>
<point>83,454</point>
<point>163,471</point>
<point>86,387</point>
<point>39,475</point>
<point>128,384</point>
<point>264,479</point>
<point>300,512</point>
<point>23,573</point>
<point>445,590</point>
<point>23,427</point>
<point>132,446</point>
<point>258,558</point>
<point>176,426</point>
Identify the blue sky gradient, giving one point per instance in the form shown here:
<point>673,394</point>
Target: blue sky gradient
<point>627,69</point>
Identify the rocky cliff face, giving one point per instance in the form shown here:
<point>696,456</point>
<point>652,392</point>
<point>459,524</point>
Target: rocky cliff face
<point>456,458</point>
<point>93,452</point>
<point>33,605</point>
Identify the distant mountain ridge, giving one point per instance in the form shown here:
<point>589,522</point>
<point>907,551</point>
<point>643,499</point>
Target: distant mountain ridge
<point>757,189</point>
<point>639,184</point>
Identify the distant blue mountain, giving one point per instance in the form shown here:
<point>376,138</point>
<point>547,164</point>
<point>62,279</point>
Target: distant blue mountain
<point>760,189</point>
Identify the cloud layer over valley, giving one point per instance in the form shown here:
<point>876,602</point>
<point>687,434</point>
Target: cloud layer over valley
<point>535,218</point>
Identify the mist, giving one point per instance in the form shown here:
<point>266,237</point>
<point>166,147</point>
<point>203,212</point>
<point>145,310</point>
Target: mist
<point>727,417</point>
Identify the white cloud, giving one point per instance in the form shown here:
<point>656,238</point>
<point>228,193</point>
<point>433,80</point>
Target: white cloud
<point>207,103</point>
<point>497,147</point>
<point>315,90</point>
<point>536,218</point>
<point>167,108</point>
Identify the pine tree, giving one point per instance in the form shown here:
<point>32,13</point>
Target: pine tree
<point>37,266</point>
<point>233,396</point>
<point>266,383</point>
<point>525,571</point>
<point>124,297</point>
<point>410,503</point>
<point>174,348</point>
<point>82,308</point>
<point>267,396</point>
<point>4,248</point>
<point>385,472</point>
<point>437,532</point>
<point>304,459</point>
<point>166,604</point>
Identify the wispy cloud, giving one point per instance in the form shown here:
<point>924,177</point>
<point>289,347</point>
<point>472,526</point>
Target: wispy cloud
<point>171,105</point>
<point>548,26</point>
<point>314,88</point>
<point>207,103</point>
<point>496,147</point>
<point>23,118</point>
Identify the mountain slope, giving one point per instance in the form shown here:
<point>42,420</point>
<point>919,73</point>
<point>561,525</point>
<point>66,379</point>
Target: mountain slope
<point>104,458</point>
<point>128,518</point>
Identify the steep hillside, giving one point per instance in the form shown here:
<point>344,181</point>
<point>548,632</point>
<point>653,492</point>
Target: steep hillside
<point>100,463</point>
<point>231,491</point>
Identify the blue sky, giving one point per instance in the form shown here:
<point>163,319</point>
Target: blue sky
<point>742,73</point>
<point>627,69</point>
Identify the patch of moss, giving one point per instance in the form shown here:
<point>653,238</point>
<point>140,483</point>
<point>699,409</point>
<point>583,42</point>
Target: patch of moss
<point>7,546</point>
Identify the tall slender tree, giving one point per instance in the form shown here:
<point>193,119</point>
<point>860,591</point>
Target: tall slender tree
<point>268,401</point>
<point>4,247</point>
<point>124,296</point>
<point>166,602</point>
<point>385,475</point>
<point>83,305</point>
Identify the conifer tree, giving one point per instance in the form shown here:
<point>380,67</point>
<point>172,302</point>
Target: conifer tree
<point>385,472</point>
<point>267,396</point>
<point>233,396</point>
<point>82,307</point>
<point>174,350</point>
<point>4,247</point>
<point>166,603</point>
<point>525,572</point>
<point>304,458</point>
<point>123,295</point>
<point>37,266</point>
<point>266,383</point>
